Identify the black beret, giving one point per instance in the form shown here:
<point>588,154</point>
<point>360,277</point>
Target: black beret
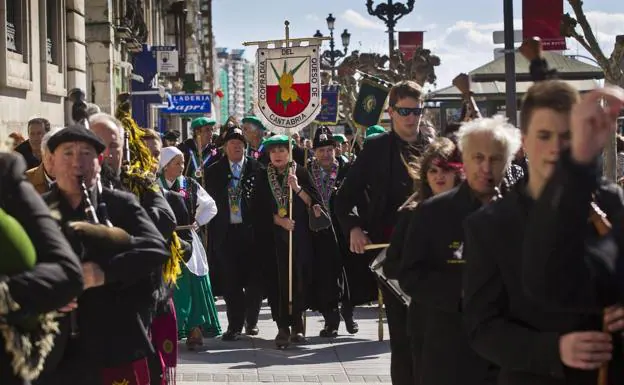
<point>171,135</point>
<point>76,133</point>
<point>234,133</point>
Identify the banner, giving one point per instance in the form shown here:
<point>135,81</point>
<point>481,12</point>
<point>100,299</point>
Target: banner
<point>542,18</point>
<point>330,97</point>
<point>409,43</point>
<point>288,87</point>
<point>370,103</point>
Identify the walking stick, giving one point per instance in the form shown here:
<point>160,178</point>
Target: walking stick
<point>290,233</point>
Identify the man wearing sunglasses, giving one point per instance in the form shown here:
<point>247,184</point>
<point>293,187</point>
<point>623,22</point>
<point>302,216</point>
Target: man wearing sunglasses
<point>377,184</point>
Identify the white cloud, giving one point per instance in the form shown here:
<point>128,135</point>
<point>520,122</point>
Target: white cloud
<point>606,27</point>
<point>312,17</point>
<point>356,19</point>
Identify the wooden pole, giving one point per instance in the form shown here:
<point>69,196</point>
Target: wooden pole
<point>380,329</point>
<point>290,205</point>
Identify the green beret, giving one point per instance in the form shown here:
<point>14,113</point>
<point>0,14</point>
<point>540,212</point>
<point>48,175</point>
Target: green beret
<point>276,140</point>
<point>18,252</point>
<point>201,122</point>
<point>374,130</point>
<point>340,138</point>
<point>255,121</point>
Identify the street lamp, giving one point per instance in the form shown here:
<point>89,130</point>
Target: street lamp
<point>334,54</point>
<point>390,12</point>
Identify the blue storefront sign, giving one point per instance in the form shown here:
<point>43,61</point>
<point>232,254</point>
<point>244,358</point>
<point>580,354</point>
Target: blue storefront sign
<point>181,104</point>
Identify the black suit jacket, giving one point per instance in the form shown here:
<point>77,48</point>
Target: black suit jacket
<point>57,277</point>
<point>217,181</point>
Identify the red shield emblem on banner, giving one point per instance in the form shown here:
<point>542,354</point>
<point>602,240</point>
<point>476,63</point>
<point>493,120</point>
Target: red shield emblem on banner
<point>288,86</point>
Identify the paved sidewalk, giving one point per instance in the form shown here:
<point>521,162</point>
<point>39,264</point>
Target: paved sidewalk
<point>251,360</point>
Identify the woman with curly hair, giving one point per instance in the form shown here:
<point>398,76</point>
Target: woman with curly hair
<point>438,170</point>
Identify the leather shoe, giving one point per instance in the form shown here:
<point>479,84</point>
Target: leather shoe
<point>352,326</point>
<point>231,335</point>
<point>328,332</point>
<point>252,330</point>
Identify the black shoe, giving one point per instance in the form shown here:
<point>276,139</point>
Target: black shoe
<point>282,340</point>
<point>231,335</point>
<point>352,326</point>
<point>298,338</point>
<point>328,332</point>
<point>252,330</point>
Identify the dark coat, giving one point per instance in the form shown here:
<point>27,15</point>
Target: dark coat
<point>567,267</point>
<point>112,319</point>
<point>432,267</point>
<point>372,187</point>
<point>504,325</point>
<point>210,155</point>
<point>26,151</point>
<point>57,277</point>
<point>272,243</point>
<point>218,178</point>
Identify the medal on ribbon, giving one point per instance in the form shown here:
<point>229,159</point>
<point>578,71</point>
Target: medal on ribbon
<point>198,173</point>
<point>279,190</point>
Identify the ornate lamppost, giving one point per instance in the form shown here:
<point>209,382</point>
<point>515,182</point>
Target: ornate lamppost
<point>390,12</point>
<point>334,54</point>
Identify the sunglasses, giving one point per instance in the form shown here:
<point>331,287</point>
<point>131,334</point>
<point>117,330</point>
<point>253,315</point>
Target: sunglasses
<point>404,111</point>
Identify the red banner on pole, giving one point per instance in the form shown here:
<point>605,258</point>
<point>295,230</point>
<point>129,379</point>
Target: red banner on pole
<point>409,43</point>
<point>542,18</point>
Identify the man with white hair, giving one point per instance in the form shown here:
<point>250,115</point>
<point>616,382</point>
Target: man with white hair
<point>42,176</point>
<point>433,261</point>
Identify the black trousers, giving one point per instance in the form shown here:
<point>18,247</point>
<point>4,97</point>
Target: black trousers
<point>242,279</point>
<point>401,360</point>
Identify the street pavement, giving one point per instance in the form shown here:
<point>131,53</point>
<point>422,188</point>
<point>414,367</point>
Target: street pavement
<point>359,358</point>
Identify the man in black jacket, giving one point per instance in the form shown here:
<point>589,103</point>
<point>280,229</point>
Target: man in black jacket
<point>105,339</point>
<point>380,174</point>
<point>230,182</point>
<point>31,148</point>
<point>569,253</point>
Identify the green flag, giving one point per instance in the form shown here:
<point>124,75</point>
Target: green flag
<point>370,103</point>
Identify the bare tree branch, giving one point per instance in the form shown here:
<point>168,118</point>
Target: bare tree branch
<point>618,50</point>
<point>590,38</point>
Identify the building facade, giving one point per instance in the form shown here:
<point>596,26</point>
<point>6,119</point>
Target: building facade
<point>236,77</point>
<point>42,56</point>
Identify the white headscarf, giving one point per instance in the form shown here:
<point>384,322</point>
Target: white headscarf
<point>166,155</point>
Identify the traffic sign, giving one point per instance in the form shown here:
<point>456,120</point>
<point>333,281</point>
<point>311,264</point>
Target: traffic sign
<point>166,59</point>
<point>499,36</point>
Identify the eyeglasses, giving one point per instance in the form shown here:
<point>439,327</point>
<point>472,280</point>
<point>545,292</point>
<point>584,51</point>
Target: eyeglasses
<point>404,111</point>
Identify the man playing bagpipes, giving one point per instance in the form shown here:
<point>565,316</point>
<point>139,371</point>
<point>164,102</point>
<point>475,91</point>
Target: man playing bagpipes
<point>104,340</point>
<point>573,245</point>
<point>130,165</point>
<point>39,273</point>
<point>380,172</point>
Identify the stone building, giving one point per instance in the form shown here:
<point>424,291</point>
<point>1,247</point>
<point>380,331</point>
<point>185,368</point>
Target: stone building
<point>42,56</point>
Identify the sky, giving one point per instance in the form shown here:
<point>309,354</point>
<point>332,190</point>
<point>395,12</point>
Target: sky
<point>458,31</point>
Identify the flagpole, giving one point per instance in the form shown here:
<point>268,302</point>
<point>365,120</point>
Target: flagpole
<point>290,205</point>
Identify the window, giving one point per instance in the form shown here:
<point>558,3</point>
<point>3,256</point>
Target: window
<point>14,26</point>
<point>53,41</point>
